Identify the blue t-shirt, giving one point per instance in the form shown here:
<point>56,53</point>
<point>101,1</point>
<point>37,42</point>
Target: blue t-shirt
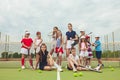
<point>98,47</point>
<point>70,34</point>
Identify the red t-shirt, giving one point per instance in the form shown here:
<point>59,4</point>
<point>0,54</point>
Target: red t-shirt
<point>27,41</point>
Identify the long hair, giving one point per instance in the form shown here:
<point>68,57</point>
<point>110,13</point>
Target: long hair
<point>84,42</point>
<point>55,33</point>
<point>60,36</point>
<point>41,52</point>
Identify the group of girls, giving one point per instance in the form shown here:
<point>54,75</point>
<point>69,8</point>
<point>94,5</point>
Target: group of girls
<point>44,60</point>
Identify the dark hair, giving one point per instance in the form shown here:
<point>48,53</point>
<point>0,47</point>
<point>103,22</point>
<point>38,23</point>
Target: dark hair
<point>70,24</point>
<point>41,52</point>
<point>55,32</point>
<point>81,42</point>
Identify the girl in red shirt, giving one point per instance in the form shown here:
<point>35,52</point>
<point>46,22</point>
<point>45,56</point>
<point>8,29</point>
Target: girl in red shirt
<point>25,50</point>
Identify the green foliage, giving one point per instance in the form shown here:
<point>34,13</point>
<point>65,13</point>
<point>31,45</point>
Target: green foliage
<point>4,54</point>
<point>109,54</point>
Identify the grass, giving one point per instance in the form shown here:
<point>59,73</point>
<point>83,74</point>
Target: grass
<point>9,70</point>
<point>27,74</point>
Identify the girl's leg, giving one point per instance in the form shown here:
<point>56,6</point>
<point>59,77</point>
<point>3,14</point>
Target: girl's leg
<point>23,61</point>
<point>67,52</point>
<point>52,50</point>
<point>37,60</point>
<point>47,68</point>
<point>81,69</point>
<point>31,61</point>
<point>60,58</point>
<point>70,62</point>
<point>81,60</point>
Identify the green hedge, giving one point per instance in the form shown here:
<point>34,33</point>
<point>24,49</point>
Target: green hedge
<point>109,54</point>
<point>13,55</point>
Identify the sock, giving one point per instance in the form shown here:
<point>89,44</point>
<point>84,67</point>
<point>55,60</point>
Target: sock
<point>56,65</point>
<point>22,61</point>
<point>31,62</point>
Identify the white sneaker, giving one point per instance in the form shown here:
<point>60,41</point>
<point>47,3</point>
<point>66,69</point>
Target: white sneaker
<point>59,69</point>
<point>97,68</point>
<point>23,67</point>
<point>74,70</point>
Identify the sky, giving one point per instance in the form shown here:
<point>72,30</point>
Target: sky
<point>97,16</point>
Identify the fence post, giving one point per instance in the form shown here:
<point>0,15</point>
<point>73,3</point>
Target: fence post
<point>107,42</point>
<point>113,41</point>
<point>0,36</point>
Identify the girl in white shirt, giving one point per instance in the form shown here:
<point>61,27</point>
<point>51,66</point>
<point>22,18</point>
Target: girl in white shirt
<point>37,43</point>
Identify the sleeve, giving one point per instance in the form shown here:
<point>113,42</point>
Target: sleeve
<point>98,43</point>
<point>31,40</point>
<point>74,32</point>
<point>22,40</point>
<point>66,33</point>
<point>77,58</point>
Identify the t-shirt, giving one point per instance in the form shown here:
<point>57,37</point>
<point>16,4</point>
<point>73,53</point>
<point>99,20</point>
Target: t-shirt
<point>74,57</point>
<point>70,35</point>
<point>27,41</point>
<point>38,41</point>
<point>98,47</point>
<point>83,45</point>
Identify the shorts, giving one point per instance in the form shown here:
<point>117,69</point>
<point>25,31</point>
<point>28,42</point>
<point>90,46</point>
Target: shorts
<point>70,68</point>
<point>42,65</point>
<point>90,55</point>
<point>57,48</point>
<point>69,44</point>
<point>83,54</point>
<point>24,51</point>
<point>98,54</point>
<point>37,50</point>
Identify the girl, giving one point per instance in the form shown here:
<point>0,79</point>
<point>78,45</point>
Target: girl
<point>90,55</point>
<point>25,49</point>
<point>71,36</point>
<point>83,50</point>
<point>37,43</point>
<point>46,60</point>
<point>54,37</point>
<point>59,49</point>
<point>74,62</point>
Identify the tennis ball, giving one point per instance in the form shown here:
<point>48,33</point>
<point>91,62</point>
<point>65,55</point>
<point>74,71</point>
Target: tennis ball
<point>112,69</point>
<point>80,74</point>
<point>75,75</point>
<point>39,71</point>
<point>19,69</point>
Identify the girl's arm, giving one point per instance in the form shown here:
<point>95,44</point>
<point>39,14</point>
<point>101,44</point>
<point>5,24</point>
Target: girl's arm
<point>35,46</point>
<point>24,45</point>
<point>76,38</point>
<point>65,42</point>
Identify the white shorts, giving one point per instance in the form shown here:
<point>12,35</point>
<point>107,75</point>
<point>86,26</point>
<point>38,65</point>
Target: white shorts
<point>24,51</point>
<point>69,44</point>
<point>83,54</point>
<point>90,55</point>
<point>37,50</point>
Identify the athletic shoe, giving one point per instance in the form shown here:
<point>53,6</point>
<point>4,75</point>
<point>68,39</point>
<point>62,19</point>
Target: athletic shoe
<point>23,67</point>
<point>74,70</point>
<point>59,69</point>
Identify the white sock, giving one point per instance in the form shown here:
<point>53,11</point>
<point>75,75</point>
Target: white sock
<point>56,65</point>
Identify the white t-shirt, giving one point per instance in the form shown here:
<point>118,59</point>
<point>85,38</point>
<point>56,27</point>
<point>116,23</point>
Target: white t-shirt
<point>74,57</point>
<point>37,42</point>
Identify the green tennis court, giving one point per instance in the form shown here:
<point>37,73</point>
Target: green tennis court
<point>11,70</point>
<point>27,74</point>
